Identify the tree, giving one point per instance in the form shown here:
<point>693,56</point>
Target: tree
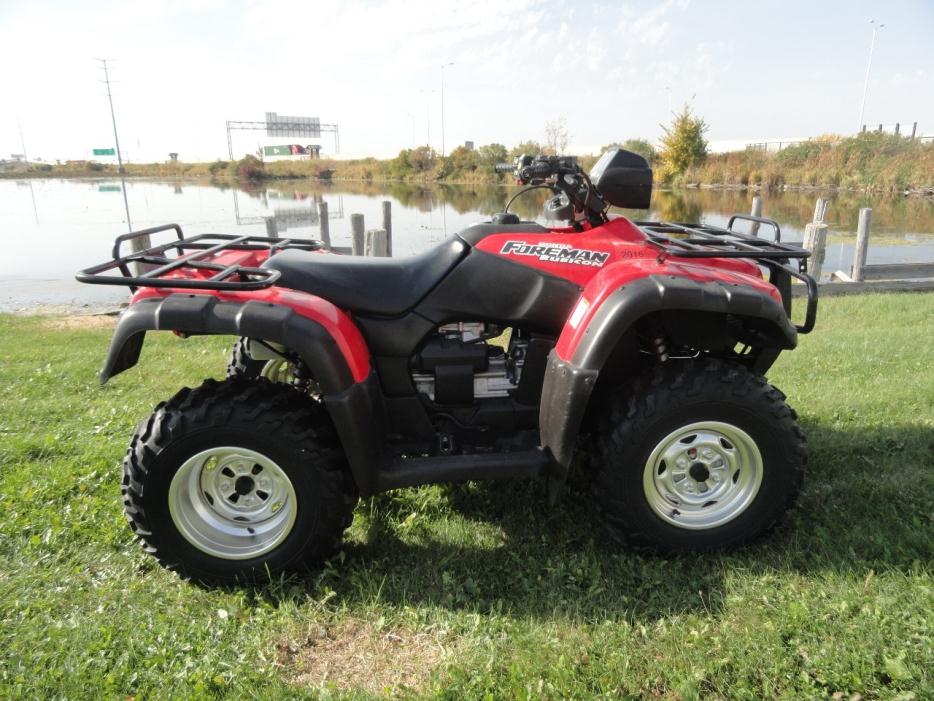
<point>250,168</point>
<point>526,148</point>
<point>217,167</point>
<point>463,160</point>
<point>420,158</point>
<point>556,136</point>
<point>641,146</point>
<point>491,154</point>
<point>684,144</point>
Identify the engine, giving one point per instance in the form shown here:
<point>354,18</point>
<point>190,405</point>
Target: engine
<point>457,365</point>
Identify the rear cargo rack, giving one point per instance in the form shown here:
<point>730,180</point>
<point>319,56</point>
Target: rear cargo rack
<point>190,254</point>
<point>706,241</point>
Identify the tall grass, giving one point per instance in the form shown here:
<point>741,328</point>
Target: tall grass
<point>872,161</point>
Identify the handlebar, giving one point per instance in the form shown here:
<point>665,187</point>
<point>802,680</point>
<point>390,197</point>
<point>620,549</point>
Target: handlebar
<point>560,174</point>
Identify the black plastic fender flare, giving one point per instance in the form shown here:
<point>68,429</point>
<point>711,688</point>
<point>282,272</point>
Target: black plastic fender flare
<point>355,407</point>
<point>569,383</point>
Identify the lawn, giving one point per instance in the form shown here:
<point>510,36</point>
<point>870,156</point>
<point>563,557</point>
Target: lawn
<point>478,591</point>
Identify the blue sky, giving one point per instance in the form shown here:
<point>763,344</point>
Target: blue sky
<point>753,70</point>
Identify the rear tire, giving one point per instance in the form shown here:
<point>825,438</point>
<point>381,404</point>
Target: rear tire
<point>697,456</point>
<point>238,481</point>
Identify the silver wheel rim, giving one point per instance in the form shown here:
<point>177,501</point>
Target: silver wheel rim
<point>280,370</point>
<point>703,475</point>
<point>232,503</point>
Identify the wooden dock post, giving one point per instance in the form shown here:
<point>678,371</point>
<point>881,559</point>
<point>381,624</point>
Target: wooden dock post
<point>324,224</point>
<point>820,209</point>
<point>272,231</point>
<point>862,244</point>
<point>756,211</point>
<point>815,241</point>
<point>359,233</point>
<point>376,243</point>
<point>387,225</point>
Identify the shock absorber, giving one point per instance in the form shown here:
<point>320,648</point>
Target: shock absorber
<point>660,346</point>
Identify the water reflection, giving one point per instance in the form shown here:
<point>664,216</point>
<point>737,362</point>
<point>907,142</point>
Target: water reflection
<point>71,224</point>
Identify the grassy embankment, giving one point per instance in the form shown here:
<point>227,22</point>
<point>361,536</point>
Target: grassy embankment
<point>478,591</point>
<point>876,162</point>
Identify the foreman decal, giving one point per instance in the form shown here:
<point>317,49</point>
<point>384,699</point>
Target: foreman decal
<point>551,253</point>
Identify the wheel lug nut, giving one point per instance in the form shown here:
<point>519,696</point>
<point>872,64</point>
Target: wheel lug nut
<point>708,453</point>
<point>225,485</point>
<point>681,462</point>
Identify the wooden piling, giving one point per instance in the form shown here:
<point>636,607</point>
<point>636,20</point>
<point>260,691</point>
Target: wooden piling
<point>376,243</point>
<point>815,241</point>
<point>862,244</point>
<point>820,209</point>
<point>324,224</point>
<point>387,225</point>
<point>756,211</point>
<point>359,234</point>
<point>272,231</point>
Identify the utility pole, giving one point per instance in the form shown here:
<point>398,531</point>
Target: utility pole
<point>120,168</point>
<point>22,141</point>
<point>872,45</point>
<point>443,66</point>
<point>427,94</point>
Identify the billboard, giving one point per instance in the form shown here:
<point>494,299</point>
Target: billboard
<point>282,126</point>
<point>286,150</point>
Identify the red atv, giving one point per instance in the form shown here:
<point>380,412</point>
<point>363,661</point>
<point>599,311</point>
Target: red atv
<point>510,349</point>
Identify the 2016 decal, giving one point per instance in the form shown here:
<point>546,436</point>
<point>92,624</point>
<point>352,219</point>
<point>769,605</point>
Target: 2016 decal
<point>556,254</point>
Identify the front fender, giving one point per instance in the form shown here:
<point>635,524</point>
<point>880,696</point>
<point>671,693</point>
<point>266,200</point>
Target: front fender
<point>323,336</point>
<point>577,360</point>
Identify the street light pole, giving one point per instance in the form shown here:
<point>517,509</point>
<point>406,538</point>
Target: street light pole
<point>872,45</point>
<point>443,65</point>
<point>427,94</point>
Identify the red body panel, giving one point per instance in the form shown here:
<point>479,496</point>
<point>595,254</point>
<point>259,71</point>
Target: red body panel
<point>599,260</point>
<point>342,329</point>
<point>603,259</point>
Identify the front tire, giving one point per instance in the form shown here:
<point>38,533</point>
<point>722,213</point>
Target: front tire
<point>237,481</point>
<point>697,456</point>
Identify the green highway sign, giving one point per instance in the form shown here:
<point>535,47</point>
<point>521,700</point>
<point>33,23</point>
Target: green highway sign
<point>104,152</point>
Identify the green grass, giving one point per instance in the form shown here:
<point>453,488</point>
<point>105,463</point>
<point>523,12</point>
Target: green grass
<point>517,599</point>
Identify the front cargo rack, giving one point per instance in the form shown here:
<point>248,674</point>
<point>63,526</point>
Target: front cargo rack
<point>706,241</point>
<point>153,263</point>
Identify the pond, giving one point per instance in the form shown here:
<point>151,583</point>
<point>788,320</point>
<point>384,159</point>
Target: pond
<point>51,228</point>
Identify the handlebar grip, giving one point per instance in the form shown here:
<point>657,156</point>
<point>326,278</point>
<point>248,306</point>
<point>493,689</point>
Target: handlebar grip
<point>537,170</point>
<point>504,167</point>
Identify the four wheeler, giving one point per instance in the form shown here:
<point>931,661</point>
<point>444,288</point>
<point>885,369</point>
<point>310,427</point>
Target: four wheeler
<point>510,349</point>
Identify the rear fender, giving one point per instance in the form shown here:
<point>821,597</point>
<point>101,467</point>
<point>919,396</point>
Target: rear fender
<point>322,335</point>
<point>583,348</point>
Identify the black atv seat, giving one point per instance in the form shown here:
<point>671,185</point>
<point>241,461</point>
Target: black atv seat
<point>382,286</point>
